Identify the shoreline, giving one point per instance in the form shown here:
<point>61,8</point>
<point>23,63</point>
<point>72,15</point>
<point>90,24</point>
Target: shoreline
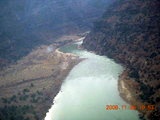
<point>76,62</point>
<point>127,91</point>
<point>36,79</point>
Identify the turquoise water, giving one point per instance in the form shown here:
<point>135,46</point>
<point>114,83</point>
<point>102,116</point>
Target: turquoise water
<point>89,87</point>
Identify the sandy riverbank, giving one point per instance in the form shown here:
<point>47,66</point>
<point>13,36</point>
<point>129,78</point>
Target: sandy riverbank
<point>129,91</point>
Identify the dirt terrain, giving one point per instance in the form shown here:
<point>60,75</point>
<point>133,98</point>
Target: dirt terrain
<point>31,84</point>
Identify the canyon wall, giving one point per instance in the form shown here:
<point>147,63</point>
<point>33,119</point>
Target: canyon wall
<point>128,32</point>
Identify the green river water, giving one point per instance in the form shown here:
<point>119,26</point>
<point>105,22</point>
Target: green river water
<point>89,87</point>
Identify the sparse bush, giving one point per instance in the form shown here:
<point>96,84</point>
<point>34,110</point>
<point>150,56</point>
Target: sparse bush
<point>33,95</point>
<point>15,112</point>
<point>25,90</point>
<point>157,99</point>
<point>39,93</point>
<point>153,55</point>
<point>134,74</point>
<point>32,85</point>
<point>13,98</point>
<point>4,100</point>
<point>23,97</point>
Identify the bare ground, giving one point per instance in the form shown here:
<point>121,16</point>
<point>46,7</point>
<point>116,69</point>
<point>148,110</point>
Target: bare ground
<point>36,79</point>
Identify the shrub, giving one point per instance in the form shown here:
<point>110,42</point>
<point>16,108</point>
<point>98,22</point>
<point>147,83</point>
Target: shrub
<point>134,74</point>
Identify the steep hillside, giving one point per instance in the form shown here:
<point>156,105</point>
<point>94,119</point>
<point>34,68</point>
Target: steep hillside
<point>25,24</point>
<point>128,32</point>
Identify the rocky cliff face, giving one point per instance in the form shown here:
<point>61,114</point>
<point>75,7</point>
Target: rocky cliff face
<point>25,24</point>
<point>128,32</point>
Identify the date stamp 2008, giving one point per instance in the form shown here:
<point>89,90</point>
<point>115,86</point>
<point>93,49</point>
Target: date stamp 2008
<point>130,107</point>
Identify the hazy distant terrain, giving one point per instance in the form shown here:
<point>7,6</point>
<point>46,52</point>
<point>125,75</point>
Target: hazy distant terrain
<point>25,24</point>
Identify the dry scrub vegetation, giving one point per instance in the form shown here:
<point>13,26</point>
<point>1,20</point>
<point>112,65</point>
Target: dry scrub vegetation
<point>27,88</point>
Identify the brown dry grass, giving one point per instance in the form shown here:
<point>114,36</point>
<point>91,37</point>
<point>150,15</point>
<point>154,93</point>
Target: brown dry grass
<point>39,72</point>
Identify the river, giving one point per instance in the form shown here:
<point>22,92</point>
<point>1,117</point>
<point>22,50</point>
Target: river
<point>89,87</point>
